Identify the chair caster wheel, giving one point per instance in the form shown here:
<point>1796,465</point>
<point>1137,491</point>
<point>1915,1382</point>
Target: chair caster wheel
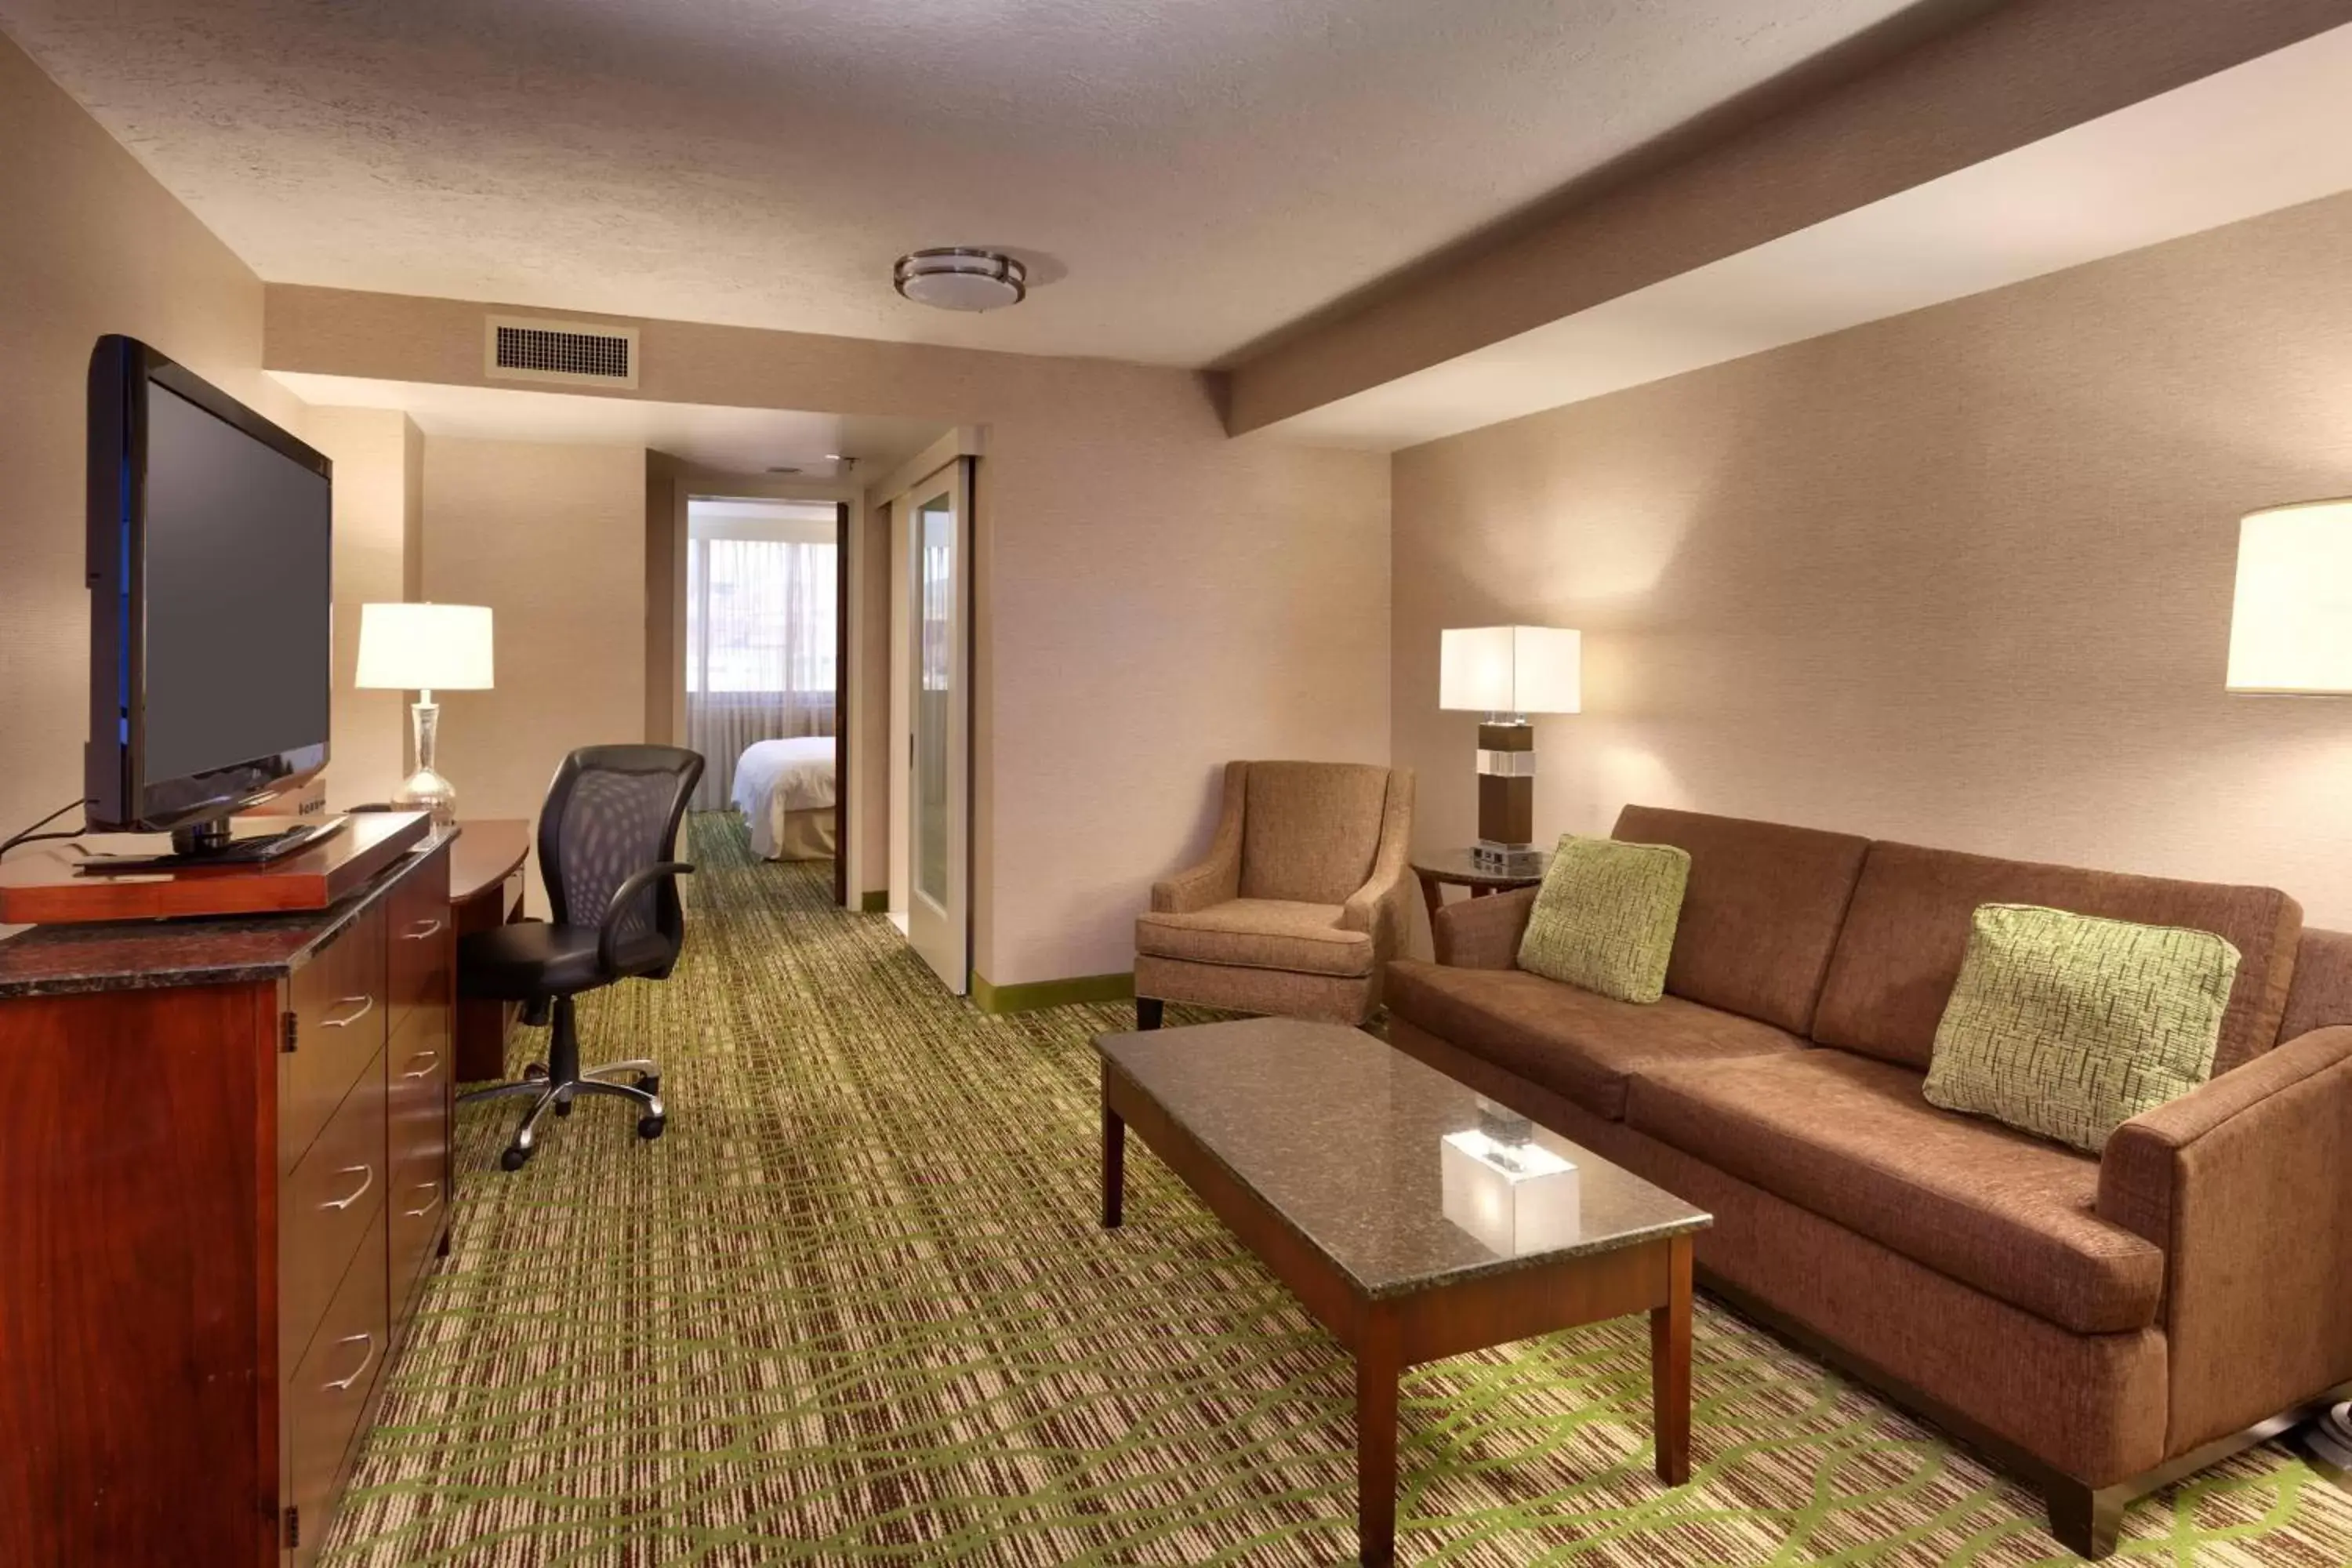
<point>650,1083</point>
<point>562,1108</point>
<point>650,1127</point>
<point>535,1073</point>
<point>515,1159</point>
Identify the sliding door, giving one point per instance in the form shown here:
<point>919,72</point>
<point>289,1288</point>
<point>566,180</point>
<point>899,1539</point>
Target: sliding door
<point>939,821</point>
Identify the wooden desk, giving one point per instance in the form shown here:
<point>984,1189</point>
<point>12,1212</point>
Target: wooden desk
<point>486,890</point>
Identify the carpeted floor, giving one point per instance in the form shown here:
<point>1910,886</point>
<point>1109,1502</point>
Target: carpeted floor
<point>855,1308</point>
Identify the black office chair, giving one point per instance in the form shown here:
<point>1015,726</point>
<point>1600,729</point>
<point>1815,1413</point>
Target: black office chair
<point>605,838</point>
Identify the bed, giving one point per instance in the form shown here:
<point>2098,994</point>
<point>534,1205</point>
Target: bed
<point>785,791</point>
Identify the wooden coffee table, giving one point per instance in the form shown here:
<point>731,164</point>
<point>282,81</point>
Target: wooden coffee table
<point>1321,1148</point>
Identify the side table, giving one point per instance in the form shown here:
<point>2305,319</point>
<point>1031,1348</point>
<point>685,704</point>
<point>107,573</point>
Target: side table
<point>1456,866</point>
<point>486,890</point>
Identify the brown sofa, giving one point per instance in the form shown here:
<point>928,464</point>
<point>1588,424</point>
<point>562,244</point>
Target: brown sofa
<point>2098,1326</point>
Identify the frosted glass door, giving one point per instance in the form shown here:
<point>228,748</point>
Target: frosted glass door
<point>939,707</point>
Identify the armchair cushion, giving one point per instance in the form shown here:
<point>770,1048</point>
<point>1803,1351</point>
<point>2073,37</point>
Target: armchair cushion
<point>1310,830</point>
<point>1259,933</point>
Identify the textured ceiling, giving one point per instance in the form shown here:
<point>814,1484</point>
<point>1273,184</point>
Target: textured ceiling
<point>1185,175</point>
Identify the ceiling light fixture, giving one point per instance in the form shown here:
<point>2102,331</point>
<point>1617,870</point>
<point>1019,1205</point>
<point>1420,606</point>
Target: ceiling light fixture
<point>782,468</point>
<point>959,278</point>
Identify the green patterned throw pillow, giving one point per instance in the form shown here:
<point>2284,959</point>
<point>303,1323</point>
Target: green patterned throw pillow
<point>2069,1026</point>
<point>1604,919</point>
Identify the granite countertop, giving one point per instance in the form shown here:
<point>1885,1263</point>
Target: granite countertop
<point>1340,1134</point>
<point>148,955</point>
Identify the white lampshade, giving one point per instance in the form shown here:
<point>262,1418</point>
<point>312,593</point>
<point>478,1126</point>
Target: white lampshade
<point>421,647</point>
<point>1511,670</point>
<point>2291,627</point>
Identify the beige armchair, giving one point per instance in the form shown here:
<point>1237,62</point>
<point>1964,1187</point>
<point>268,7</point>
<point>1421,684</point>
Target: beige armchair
<point>1301,902</point>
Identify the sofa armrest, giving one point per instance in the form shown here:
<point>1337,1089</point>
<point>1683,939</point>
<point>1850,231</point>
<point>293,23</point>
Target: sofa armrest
<point>2244,1184</point>
<point>1218,877</point>
<point>1482,933</point>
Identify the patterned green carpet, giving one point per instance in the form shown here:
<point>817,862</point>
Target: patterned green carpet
<point>855,1309</point>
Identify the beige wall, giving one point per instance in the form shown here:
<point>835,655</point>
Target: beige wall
<point>1962,577</point>
<point>375,506</point>
<point>1155,598</point>
<point>552,539</point>
<point>665,593</point>
<point>89,245</point>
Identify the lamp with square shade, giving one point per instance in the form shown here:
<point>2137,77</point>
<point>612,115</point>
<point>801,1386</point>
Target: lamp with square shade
<point>1508,673</point>
<point>424,648</point>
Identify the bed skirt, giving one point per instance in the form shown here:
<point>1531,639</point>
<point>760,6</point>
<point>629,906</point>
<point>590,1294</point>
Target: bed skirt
<point>805,835</point>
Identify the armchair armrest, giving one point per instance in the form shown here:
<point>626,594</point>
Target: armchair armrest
<point>2244,1184</point>
<point>1482,933</point>
<point>1382,905</point>
<point>1218,877</point>
<point>608,935</point>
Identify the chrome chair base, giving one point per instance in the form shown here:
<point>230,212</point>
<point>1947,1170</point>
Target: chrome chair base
<point>557,1087</point>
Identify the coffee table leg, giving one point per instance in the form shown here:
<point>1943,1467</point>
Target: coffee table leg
<point>1670,1352</point>
<point>1377,1369</point>
<point>1114,1164</point>
<point>1433,894</point>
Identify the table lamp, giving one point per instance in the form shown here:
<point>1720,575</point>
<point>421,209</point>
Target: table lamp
<point>1508,673</point>
<point>424,648</point>
<point>2291,635</point>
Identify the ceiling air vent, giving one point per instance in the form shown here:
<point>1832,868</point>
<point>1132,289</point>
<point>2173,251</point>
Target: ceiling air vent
<point>525,347</point>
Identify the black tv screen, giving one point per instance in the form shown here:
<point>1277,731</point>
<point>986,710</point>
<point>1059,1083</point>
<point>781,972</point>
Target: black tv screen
<point>211,598</point>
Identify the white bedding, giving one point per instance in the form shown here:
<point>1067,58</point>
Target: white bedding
<point>774,777</point>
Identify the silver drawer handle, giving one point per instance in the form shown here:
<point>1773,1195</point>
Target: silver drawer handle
<point>424,929</point>
<point>366,1173</point>
<point>433,1187</point>
<point>340,1383</point>
<point>367,1005</point>
<point>432,1060</point>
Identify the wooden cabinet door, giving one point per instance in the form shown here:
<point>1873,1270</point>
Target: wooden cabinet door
<point>332,1389</point>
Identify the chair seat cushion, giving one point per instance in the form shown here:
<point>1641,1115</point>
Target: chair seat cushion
<point>1853,1140</point>
<point>1573,1042</point>
<point>533,958</point>
<point>1259,933</point>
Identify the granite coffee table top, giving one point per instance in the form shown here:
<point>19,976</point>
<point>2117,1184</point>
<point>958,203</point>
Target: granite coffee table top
<point>1339,1134</point>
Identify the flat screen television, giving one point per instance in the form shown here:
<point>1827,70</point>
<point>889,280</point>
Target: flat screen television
<point>211,601</point>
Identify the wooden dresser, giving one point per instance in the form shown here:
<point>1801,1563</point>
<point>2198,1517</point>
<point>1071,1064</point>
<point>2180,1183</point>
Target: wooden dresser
<point>225,1172</point>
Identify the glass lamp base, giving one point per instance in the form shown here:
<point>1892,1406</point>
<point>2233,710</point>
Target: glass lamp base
<point>425,790</point>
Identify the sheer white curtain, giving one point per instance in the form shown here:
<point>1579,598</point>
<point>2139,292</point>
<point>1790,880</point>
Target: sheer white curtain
<point>759,649</point>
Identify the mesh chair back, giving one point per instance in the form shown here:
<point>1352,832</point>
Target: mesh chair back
<point>611,812</point>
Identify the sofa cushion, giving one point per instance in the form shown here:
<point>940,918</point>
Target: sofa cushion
<point>1604,919</point>
<point>1907,932</point>
<point>1309,830</point>
<point>2070,1025</point>
<point>1850,1139</point>
<point>1571,1042</point>
<point>1259,933</point>
<point>1761,914</point>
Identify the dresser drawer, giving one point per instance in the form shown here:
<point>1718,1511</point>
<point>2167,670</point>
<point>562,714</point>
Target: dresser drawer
<point>326,1206</point>
<point>322,1402</point>
<point>421,945</point>
<point>418,1136</point>
<point>338,1003</point>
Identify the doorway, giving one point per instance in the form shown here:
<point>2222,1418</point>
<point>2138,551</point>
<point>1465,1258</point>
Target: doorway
<point>763,676</point>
